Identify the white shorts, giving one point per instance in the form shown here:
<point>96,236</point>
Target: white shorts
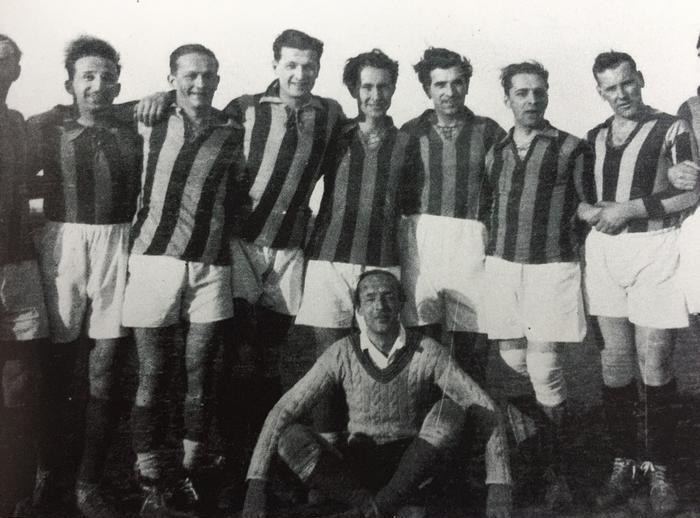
<point>541,302</point>
<point>22,311</point>
<point>271,277</point>
<point>162,290</point>
<point>329,288</point>
<point>442,270</point>
<point>84,273</point>
<point>635,276</point>
<point>689,271</point>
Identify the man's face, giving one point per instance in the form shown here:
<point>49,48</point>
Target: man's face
<point>297,71</point>
<point>380,303</point>
<point>527,98</point>
<point>622,87</point>
<point>9,65</point>
<point>448,89</point>
<point>95,83</point>
<point>195,81</point>
<point>374,91</point>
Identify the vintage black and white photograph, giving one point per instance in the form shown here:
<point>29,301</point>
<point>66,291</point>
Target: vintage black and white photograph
<point>360,259</point>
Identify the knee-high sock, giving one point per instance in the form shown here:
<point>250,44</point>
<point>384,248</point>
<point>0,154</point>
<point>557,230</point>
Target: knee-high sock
<point>101,416</point>
<point>620,421</point>
<point>660,423</point>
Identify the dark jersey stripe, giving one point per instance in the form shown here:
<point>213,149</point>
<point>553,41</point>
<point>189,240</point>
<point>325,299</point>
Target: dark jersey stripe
<point>173,199</point>
<point>155,144</point>
<point>293,226</point>
<point>377,224</point>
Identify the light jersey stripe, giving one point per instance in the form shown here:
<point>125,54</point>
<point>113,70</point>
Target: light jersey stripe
<point>182,207</point>
<point>449,175</point>
<point>167,155</point>
<point>284,151</point>
<point>629,160</point>
<point>689,111</point>
<point>451,178</point>
<point>536,198</point>
<point>526,208</point>
<point>358,217</point>
<point>191,195</point>
<point>639,167</point>
<point>272,148</point>
<point>297,168</point>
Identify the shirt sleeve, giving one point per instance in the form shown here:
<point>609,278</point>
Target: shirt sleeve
<point>298,400</point>
<point>679,146</point>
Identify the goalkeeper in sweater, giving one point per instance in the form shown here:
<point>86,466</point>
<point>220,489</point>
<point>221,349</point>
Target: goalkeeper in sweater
<point>407,407</point>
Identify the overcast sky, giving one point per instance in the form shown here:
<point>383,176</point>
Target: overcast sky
<point>565,36</point>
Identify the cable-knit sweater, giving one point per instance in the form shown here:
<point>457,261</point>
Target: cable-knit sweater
<point>385,404</point>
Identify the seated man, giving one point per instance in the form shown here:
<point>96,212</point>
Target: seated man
<point>407,403</point>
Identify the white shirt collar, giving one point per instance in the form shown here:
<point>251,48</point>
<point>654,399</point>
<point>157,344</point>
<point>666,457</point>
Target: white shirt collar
<point>375,354</point>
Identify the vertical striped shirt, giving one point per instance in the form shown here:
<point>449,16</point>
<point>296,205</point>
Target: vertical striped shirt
<point>91,173</point>
<point>15,233</point>
<point>638,169</point>
<point>451,175</point>
<point>358,218</point>
<point>535,197</point>
<point>283,150</point>
<point>689,111</point>
<point>189,190</point>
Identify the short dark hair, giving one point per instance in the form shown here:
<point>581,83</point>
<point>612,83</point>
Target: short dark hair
<point>440,58</point>
<point>526,67</point>
<point>375,58</point>
<point>84,46</point>
<point>611,59</point>
<point>190,48</point>
<point>15,48</point>
<point>295,39</point>
<point>370,273</point>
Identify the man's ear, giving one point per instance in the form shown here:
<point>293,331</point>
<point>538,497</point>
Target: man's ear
<point>466,91</point>
<point>171,81</point>
<point>117,89</point>
<point>68,85</point>
<point>274,64</point>
<point>641,78</point>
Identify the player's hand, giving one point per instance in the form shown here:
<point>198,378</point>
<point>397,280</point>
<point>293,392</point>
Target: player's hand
<point>613,217</point>
<point>255,500</point>
<point>588,213</point>
<point>499,502</point>
<point>684,175</point>
<point>151,109</point>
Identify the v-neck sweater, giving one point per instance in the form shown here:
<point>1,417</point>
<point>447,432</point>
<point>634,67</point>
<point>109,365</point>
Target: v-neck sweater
<point>385,404</point>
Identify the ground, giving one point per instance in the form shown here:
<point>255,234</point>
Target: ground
<point>591,457</point>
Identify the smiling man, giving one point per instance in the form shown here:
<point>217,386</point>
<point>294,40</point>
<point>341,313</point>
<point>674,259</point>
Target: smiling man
<point>356,226</point>
<point>287,133</point>
<point>534,304</point>
<point>442,237</point>
<point>400,438</point>
<point>632,283</point>
<point>180,266</point>
<point>91,160</point>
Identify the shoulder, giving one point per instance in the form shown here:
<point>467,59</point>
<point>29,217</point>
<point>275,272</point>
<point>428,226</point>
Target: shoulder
<point>419,124</point>
<point>52,117</point>
<point>593,132</point>
<point>237,107</point>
